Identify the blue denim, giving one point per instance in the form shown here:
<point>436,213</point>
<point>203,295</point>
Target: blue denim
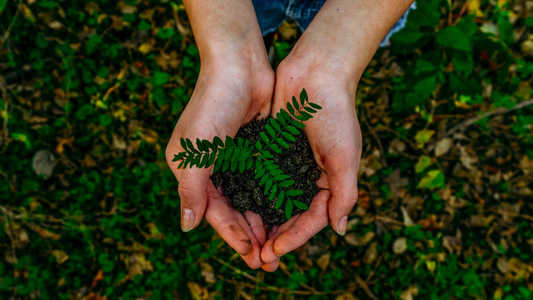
<point>272,13</point>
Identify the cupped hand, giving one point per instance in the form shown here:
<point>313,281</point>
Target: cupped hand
<point>226,97</point>
<point>336,141</point>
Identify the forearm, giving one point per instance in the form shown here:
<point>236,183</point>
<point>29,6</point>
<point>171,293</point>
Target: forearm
<point>224,29</point>
<point>347,33</point>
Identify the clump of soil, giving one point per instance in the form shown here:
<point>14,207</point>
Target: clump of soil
<point>245,192</point>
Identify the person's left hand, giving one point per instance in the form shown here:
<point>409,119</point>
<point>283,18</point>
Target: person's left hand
<point>336,141</point>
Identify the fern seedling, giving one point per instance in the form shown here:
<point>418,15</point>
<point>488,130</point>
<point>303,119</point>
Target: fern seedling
<point>239,154</point>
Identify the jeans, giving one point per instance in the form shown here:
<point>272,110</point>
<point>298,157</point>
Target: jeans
<point>272,13</point>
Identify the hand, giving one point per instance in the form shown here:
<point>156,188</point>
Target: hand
<point>227,96</point>
<point>335,138</point>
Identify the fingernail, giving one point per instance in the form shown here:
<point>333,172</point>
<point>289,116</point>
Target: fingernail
<point>341,227</point>
<point>278,254</point>
<point>187,219</point>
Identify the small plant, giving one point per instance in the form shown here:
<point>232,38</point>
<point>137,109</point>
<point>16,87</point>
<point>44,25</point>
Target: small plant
<point>241,155</point>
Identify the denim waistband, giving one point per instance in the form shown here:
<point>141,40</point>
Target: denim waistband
<point>272,13</point>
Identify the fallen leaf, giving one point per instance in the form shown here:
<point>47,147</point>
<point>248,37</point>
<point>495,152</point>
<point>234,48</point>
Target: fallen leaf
<point>409,293</point>
<point>400,245</point>
<point>406,218</point>
<point>208,273</point>
<point>99,277</point>
<point>60,256</point>
<point>423,136</point>
<point>323,261</point>
<point>443,146</point>
<point>43,163</point>
<point>197,292</point>
<point>354,240</point>
<point>371,254</point>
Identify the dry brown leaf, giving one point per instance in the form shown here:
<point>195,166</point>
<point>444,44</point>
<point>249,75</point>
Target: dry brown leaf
<point>346,297</point>
<point>323,261</point>
<point>208,273</point>
<point>371,254</point>
<point>406,218</point>
<point>197,292</point>
<point>60,256</point>
<point>443,146</point>
<point>354,240</point>
<point>43,163</point>
<point>400,245</point>
<point>409,293</point>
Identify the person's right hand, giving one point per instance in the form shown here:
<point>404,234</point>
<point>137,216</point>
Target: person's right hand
<point>230,93</point>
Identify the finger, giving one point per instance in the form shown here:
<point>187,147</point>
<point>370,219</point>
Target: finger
<point>309,224</point>
<point>220,216</point>
<point>271,267</point>
<point>342,178</point>
<point>192,188</point>
<point>267,254</point>
<point>256,224</point>
<point>252,259</point>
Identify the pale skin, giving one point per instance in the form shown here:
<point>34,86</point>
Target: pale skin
<point>236,84</point>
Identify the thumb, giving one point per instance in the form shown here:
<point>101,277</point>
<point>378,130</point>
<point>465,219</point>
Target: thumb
<point>192,188</point>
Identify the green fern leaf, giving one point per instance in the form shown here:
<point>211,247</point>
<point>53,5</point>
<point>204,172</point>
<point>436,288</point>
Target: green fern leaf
<point>282,142</point>
<point>297,124</point>
<point>303,97</point>
<point>258,145</point>
<point>235,154</point>
<point>315,106</point>
<point>293,193</point>
<point>181,164</point>
<point>191,147</point>
<point>267,154</point>
<point>268,185</point>
<point>263,179</point>
<point>264,137</point>
<point>196,160</point>
<point>279,202</point>
<point>275,124</point>
<point>287,183</point>
<point>201,146</point>
<point>230,142</point>
<point>290,108</point>
<point>309,109</point>
<point>234,165</point>
<point>295,103</point>
<point>179,156</point>
<point>275,148</point>
<point>285,114</point>
<point>270,130</point>
<point>184,145</point>
<point>273,193</point>
<point>281,119</point>
<point>260,173</point>
<point>203,161</point>
<point>242,165</point>
<point>305,114</point>
<point>293,130</point>
<point>208,144</point>
<point>300,205</point>
<point>218,142</point>
<point>275,172</point>
<point>249,163</point>
<point>288,209</point>
<point>225,166</point>
<point>227,153</point>
<point>218,163</point>
<point>240,142</point>
<point>281,177</point>
<point>212,158</point>
<point>288,136</point>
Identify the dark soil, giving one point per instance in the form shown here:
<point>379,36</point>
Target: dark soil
<point>245,192</point>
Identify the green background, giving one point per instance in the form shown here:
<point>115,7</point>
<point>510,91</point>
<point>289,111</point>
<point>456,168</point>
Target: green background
<point>444,209</point>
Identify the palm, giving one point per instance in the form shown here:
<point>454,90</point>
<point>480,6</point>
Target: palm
<point>335,139</point>
<point>221,103</point>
